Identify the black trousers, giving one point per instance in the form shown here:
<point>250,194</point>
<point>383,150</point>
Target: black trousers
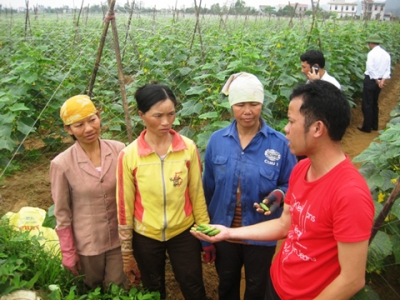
<point>271,293</point>
<point>256,261</point>
<point>369,105</point>
<point>184,252</point>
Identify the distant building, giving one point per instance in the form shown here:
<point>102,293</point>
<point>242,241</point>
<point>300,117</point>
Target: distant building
<point>393,6</point>
<point>300,8</point>
<point>373,9</point>
<point>343,8</point>
<point>387,16</point>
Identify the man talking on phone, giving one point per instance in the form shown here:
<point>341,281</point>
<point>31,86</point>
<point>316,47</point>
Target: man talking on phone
<point>312,66</point>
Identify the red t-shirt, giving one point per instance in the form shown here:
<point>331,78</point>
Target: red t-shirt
<point>335,208</point>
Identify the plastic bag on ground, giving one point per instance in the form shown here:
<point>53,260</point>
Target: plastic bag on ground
<point>31,218</point>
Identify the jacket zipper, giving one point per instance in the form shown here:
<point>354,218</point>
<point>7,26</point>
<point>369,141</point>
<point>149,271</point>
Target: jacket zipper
<point>164,198</point>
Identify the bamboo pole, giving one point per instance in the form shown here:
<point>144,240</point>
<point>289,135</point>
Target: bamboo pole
<point>293,14</point>
<point>175,14</point>
<point>314,23</point>
<point>200,35</point>
<point>120,72</point>
<point>27,21</point>
<point>154,18</point>
<point>128,27</point>
<point>99,54</point>
<point>87,14</point>
<point>385,210</point>
<point>198,29</point>
<point>195,27</point>
<point>77,22</point>
<point>221,21</point>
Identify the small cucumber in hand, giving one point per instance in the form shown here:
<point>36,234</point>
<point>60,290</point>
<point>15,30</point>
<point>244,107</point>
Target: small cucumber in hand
<point>264,207</point>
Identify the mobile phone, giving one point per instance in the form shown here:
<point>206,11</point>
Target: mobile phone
<point>316,68</point>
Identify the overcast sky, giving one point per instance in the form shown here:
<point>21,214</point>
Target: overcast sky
<point>147,3</point>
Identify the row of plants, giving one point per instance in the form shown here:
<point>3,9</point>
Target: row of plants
<point>381,168</point>
<point>26,265</point>
<point>43,66</point>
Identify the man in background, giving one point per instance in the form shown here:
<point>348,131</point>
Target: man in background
<point>312,66</point>
<point>377,71</point>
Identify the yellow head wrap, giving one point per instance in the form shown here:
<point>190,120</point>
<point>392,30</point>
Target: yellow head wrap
<point>77,108</point>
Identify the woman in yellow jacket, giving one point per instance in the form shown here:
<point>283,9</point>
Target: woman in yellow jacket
<point>159,197</point>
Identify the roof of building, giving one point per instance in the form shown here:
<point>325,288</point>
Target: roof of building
<point>343,3</point>
<point>294,4</point>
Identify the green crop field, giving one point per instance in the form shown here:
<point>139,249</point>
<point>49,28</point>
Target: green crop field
<point>52,57</point>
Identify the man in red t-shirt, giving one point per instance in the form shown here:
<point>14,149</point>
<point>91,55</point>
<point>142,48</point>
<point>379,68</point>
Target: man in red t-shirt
<point>328,210</point>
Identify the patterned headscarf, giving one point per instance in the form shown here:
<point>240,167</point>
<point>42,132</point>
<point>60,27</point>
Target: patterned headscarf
<point>77,108</point>
<point>243,87</point>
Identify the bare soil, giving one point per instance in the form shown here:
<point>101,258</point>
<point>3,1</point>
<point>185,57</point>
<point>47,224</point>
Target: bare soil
<point>30,186</point>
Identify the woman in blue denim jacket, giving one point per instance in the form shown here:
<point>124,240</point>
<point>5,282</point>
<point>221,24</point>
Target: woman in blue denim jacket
<point>245,163</point>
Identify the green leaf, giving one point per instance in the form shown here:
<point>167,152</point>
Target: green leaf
<point>269,97</point>
<point>202,139</point>
<point>187,131</point>
<point>286,91</point>
<point>29,77</point>
<point>115,127</point>
<point>391,134</point>
<point>33,280</point>
<point>7,79</point>
<point>287,80</point>
<point>50,220</point>
<point>117,108</point>
<point>366,293</point>
<point>224,104</point>
<point>5,140</point>
<point>7,119</point>
<point>185,71</point>
<point>196,90</point>
<point>396,248</point>
<point>234,65</point>
<point>378,250</point>
<point>387,176</point>
<point>220,124</point>
<point>208,66</point>
<point>4,98</point>
<point>191,107</point>
<point>19,107</point>
<point>395,210</point>
<point>25,125</point>
<point>209,115</point>
<point>201,77</point>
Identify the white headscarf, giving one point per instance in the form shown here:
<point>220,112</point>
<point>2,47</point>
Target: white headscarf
<point>243,87</point>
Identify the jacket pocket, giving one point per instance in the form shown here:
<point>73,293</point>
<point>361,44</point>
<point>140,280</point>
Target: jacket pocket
<point>268,181</point>
<point>220,167</point>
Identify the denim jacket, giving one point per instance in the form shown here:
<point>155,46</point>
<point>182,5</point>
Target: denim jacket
<point>264,165</point>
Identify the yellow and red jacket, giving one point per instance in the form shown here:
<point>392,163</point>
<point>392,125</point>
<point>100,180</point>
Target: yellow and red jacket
<point>160,197</point>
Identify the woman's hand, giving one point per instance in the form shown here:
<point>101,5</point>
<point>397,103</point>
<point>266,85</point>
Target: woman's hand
<point>72,263</point>
<point>270,203</point>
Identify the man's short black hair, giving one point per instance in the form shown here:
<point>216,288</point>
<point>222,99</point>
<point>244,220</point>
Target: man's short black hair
<point>322,101</point>
<point>313,57</point>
